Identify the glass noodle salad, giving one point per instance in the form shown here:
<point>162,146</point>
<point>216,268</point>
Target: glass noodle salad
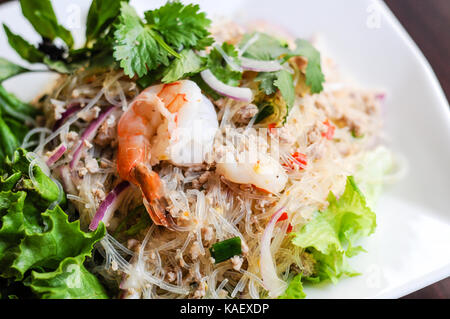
<point>179,157</point>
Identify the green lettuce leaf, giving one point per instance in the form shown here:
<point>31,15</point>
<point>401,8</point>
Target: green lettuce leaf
<point>40,241</point>
<point>70,281</point>
<point>294,289</point>
<point>331,235</point>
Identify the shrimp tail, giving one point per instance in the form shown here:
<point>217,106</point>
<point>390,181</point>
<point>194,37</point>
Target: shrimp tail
<point>154,202</point>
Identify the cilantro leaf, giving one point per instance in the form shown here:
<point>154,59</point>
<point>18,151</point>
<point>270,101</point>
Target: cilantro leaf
<point>43,19</point>
<point>221,69</point>
<point>270,82</point>
<point>267,80</point>
<point>188,63</point>
<point>26,50</point>
<point>101,15</point>
<point>314,75</point>
<point>182,26</point>
<point>136,47</point>
<point>285,84</point>
<point>265,47</point>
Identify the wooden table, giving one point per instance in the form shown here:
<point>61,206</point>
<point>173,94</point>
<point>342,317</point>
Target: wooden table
<point>428,23</point>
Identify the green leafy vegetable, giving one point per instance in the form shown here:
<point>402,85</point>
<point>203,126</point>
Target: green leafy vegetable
<point>9,69</point>
<point>267,82</point>
<point>34,239</point>
<point>265,47</point>
<point>182,26</point>
<point>26,50</point>
<point>11,105</point>
<point>70,281</point>
<point>314,75</point>
<point>101,15</point>
<point>226,249</point>
<point>43,19</point>
<point>295,289</point>
<point>136,47</point>
<point>8,141</point>
<point>331,235</point>
<point>221,69</point>
<point>141,47</point>
<point>188,63</point>
<point>285,84</point>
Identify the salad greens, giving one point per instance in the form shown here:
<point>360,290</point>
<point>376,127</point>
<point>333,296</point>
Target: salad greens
<point>331,235</point>
<point>36,259</point>
<point>329,239</point>
<point>34,233</point>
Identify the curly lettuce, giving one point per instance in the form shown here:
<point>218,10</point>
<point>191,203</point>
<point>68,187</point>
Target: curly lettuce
<point>331,236</point>
<point>39,246</point>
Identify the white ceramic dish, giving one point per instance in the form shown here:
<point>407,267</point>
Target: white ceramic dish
<point>410,248</point>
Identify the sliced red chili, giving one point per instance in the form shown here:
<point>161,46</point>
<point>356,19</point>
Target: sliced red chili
<point>289,229</point>
<point>300,160</point>
<point>271,126</point>
<point>283,216</point>
<point>330,130</point>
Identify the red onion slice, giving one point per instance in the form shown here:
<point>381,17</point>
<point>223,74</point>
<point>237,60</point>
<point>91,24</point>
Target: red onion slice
<point>259,65</point>
<point>89,134</point>
<point>109,204</point>
<point>56,155</point>
<point>71,109</point>
<point>235,93</point>
<point>271,281</point>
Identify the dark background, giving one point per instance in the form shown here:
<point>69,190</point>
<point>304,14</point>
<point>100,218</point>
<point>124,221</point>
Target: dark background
<point>428,23</point>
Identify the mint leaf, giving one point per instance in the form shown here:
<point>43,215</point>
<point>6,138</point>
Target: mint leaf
<point>188,63</point>
<point>43,19</point>
<point>182,26</point>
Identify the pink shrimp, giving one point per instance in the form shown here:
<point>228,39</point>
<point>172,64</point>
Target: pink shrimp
<point>138,128</point>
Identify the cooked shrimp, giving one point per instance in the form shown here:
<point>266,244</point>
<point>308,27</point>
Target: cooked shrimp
<point>265,173</point>
<point>173,122</point>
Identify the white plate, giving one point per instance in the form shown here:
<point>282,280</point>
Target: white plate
<point>410,248</point>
